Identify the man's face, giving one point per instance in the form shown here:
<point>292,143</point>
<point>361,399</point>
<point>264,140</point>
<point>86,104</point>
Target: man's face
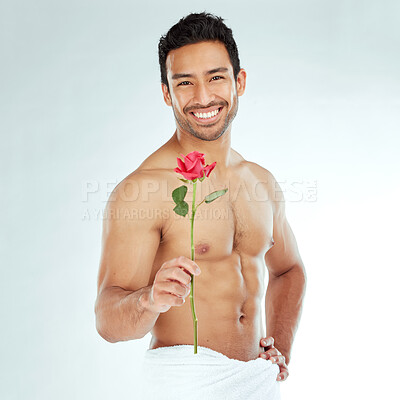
<point>202,91</point>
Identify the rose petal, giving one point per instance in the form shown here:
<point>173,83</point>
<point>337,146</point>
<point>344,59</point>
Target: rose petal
<point>209,168</point>
<point>188,175</point>
<point>199,169</point>
<point>181,164</point>
<point>189,158</point>
<point>195,166</point>
<point>194,155</point>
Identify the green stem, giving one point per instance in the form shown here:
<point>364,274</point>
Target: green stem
<point>199,204</point>
<point>192,280</point>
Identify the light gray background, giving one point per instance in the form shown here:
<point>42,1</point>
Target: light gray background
<point>81,107</point>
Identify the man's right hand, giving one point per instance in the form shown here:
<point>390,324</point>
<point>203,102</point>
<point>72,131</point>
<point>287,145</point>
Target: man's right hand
<point>171,284</point>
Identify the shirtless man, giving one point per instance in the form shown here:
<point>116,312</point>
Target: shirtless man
<point>145,267</point>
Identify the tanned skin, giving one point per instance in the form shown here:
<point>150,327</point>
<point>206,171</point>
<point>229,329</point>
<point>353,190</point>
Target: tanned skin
<point>144,275</point>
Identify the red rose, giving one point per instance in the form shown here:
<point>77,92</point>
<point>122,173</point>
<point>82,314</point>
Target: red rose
<point>193,167</point>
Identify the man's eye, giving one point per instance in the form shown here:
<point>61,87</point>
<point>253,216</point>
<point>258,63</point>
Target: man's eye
<point>217,78</point>
<point>184,83</point>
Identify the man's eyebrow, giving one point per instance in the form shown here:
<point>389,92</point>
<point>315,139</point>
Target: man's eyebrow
<point>220,69</point>
<point>212,71</point>
<point>178,76</point>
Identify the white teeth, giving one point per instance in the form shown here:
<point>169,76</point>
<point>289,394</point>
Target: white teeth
<point>207,115</point>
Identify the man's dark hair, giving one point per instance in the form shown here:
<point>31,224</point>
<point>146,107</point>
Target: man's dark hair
<point>195,28</point>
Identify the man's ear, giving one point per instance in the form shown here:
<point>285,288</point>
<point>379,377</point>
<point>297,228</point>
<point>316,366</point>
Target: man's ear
<point>241,82</point>
<point>166,95</point>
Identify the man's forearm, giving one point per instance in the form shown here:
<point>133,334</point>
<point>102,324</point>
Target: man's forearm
<point>283,306</point>
<point>123,315</point>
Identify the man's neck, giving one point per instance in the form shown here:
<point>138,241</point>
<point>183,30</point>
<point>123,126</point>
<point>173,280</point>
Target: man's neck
<point>218,150</point>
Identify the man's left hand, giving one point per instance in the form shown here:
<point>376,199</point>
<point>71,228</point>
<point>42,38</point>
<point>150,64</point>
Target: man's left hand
<point>273,354</point>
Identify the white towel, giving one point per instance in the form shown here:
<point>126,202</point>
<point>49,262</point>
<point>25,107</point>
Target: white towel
<point>175,372</point>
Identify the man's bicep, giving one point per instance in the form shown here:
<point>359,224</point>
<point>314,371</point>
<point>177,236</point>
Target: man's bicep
<point>285,253</point>
<point>129,245</point>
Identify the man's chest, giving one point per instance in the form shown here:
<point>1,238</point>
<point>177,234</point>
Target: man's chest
<point>241,221</point>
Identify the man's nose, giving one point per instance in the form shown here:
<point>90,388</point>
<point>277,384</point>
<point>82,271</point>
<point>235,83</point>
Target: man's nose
<point>203,95</point>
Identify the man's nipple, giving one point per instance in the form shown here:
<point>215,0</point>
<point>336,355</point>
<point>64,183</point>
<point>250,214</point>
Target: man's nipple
<point>202,248</point>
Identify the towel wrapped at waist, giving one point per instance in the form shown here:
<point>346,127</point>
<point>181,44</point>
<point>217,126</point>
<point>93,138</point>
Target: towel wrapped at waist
<point>175,372</point>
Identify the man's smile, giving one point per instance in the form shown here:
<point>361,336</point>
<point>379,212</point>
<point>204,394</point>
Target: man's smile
<point>206,115</point>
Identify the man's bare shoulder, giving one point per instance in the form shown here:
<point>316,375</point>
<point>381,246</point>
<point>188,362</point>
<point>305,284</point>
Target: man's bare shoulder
<point>158,167</point>
<point>162,159</point>
<point>260,172</point>
<point>265,177</point>
<point>253,168</point>
<point>138,201</point>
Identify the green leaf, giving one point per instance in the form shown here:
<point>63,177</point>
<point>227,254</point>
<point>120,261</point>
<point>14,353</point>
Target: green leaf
<point>184,180</point>
<point>214,195</point>
<point>179,194</point>
<point>181,208</point>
